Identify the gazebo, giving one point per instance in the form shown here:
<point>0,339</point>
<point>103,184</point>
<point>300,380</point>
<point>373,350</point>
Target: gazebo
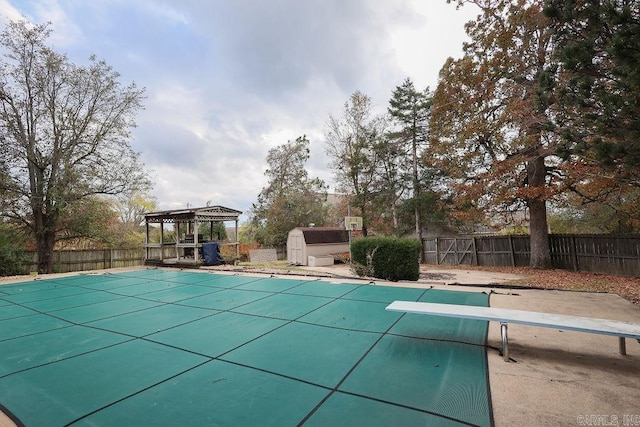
<point>184,247</point>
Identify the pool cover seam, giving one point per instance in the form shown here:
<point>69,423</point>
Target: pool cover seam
<point>402,405</point>
<point>335,389</point>
<point>237,287</point>
<point>210,359</point>
<point>111,291</point>
<point>39,311</point>
<point>115,402</point>
<point>52,298</point>
<point>440,339</point>
<point>270,294</point>
<point>219,357</point>
<point>73,356</point>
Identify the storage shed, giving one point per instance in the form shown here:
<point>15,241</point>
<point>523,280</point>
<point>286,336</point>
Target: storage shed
<point>316,244</point>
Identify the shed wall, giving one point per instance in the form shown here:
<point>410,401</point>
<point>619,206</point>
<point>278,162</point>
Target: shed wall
<point>326,249</point>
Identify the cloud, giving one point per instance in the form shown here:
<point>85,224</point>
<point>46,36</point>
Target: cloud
<point>228,80</point>
<point>8,12</point>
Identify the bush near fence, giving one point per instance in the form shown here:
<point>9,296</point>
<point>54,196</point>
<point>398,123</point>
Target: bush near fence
<point>386,258</point>
<point>595,253</point>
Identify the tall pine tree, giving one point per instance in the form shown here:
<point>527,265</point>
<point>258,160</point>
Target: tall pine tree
<point>409,109</point>
<point>598,50</point>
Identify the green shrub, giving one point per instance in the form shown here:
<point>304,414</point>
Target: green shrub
<point>386,258</point>
<point>12,256</point>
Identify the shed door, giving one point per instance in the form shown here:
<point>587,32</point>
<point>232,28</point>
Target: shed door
<point>297,255</point>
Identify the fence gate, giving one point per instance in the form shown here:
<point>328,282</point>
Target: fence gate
<point>450,251</point>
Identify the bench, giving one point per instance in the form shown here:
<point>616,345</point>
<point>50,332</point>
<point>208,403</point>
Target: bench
<point>616,328</point>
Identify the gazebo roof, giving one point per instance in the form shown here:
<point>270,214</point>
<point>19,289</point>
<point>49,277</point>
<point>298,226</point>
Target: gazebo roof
<point>204,214</point>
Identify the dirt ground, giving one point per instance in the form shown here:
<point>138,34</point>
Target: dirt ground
<point>626,287</point>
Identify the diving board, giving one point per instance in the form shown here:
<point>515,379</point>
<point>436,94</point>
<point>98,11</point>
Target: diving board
<point>592,325</point>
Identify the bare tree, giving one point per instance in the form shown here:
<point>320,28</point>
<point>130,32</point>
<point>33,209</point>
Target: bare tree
<point>64,133</point>
<point>351,143</point>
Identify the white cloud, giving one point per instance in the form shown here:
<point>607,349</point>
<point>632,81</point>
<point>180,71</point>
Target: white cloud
<point>228,80</point>
<point>9,12</point>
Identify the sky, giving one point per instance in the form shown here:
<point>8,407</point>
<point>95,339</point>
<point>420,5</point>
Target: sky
<point>227,80</point>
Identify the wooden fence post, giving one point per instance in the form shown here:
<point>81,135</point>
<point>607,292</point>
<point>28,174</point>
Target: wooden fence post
<point>574,253</point>
<point>513,251</point>
<point>475,250</point>
<point>455,251</point>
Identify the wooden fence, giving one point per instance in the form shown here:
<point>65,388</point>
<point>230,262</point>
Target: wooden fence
<point>65,261</point>
<point>609,254</point>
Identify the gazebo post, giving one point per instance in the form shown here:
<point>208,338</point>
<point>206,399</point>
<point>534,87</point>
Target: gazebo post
<point>161,239</point>
<point>237,240</point>
<point>176,229</point>
<point>146,241</point>
<point>195,239</point>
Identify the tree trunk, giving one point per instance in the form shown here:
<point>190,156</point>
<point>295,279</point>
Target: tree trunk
<point>45,241</point>
<point>44,230</point>
<point>539,235</point>
<point>416,194</point>
<point>538,230</point>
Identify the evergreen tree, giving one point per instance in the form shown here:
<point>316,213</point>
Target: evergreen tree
<point>409,108</point>
<point>598,49</point>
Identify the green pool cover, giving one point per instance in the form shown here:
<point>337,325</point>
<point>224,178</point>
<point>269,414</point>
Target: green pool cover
<point>163,347</point>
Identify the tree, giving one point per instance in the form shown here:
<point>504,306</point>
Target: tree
<point>12,256</point>
<point>134,204</point>
<point>490,120</point>
<point>351,145</point>
<point>64,131</point>
<point>387,187</point>
<point>598,49</point>
<point>216,230</point>
<point>88,223</point>
<point>409,108</point>
<point>592,210</point>
<point>291,199</point>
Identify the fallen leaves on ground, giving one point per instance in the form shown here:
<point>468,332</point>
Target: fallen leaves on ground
<point>626,287</point>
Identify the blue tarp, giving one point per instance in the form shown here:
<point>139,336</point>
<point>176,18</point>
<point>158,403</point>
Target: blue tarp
<point>211,254</point>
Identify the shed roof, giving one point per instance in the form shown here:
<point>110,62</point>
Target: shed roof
<point>318,235</point>
<point>207,213</point>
